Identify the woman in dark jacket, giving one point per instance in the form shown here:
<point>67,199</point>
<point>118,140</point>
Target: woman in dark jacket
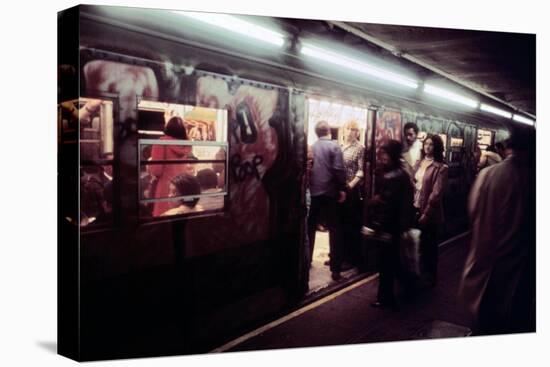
<point>164,173</point>
<point>393,214</point>
<point>430,182</point>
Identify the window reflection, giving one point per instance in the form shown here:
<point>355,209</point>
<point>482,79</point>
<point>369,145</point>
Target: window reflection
<point>96,195</point>
<point>89,123</point>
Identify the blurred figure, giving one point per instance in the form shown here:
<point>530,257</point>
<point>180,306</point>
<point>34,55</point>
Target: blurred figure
<point>352,209</point>
<point>96,195</point>
<point>183,185</point>
<point>498,283</point>
<point>430,182</point>
<point>304,271</point>
<point>147,183</point>
<point>502,149</point>
<point>392,214</point>
<point>164,173</point>
<point>219,168</point>
<point>413,146</point>
<point>477,155</point>
<point>488,158</point>
<point>469,164</point>
<point>328,191</point>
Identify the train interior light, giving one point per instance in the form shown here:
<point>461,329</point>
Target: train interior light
<point>523,120</point>
<point>494,110</point>
<point>450,96</point>
<point>356,65</point>
<point>236,25</point>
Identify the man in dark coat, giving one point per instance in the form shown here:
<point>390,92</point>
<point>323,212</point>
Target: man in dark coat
<point>498,283</point>
<point>393,214</point>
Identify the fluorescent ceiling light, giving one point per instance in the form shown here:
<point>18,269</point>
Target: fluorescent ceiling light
<point>237,25</point>
<point>494,110</point>
<point>430,89</point>
<point>523,120</point>
<point>340,60</point>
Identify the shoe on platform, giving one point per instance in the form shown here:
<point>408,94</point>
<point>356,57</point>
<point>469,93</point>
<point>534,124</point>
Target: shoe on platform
<point>346,266</point>
<point>336,275</point>
<point>387,306</point>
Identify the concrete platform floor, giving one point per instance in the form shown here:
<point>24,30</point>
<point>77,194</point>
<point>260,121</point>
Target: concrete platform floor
<point>346,316</point>
<point>319,273</point>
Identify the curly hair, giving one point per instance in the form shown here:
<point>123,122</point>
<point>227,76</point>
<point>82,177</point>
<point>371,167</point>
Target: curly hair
<point>438,147</point>
<point>393,149</point>
<point>411,125</point>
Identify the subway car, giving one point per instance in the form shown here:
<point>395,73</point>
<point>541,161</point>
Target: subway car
<point>176,267</point>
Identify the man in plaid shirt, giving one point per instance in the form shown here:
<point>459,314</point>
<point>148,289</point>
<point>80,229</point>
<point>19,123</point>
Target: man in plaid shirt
<point>352,210</point>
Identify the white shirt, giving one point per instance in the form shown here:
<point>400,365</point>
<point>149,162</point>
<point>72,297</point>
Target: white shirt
<point>413,154</point>
<point>419,179</point>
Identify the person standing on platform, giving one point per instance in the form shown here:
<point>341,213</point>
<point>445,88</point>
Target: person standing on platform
<point>393,214</point>
<point>352,213</point>
<point>413,146</point>
<point>430,182</point>
<point>328,191</point>
<point>489,157</point>
<point>498,282</point>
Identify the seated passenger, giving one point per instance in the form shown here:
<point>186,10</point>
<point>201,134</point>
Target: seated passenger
<point>164,173</point>
<point>184,185</point>
<point>208,181</point>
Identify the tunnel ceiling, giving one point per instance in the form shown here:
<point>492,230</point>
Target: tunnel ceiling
<point>501,64</point>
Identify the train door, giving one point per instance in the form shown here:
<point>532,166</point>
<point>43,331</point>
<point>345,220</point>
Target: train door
<point>339,117</point>
<point>457,191</point>
<point>484,138</point>
<point>487,154</point>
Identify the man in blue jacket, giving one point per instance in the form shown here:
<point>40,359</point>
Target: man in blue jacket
<point>328,191</point>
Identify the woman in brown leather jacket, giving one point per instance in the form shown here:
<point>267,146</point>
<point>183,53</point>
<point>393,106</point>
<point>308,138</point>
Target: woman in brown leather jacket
<point>430,182</point>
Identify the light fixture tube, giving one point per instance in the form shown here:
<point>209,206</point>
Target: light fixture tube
<point>350,63</point>
<point>494,110</point>
<point>523,120</point>
<point>438,92</point>
<point>237,25</point>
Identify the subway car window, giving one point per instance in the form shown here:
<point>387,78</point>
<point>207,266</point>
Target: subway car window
<point>484,138</point>
<point>336,114</point>
<point>92,120</point>
<point>183,160</point>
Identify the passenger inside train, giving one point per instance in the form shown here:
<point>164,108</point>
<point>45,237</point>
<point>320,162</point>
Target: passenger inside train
<point>181,146</point>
